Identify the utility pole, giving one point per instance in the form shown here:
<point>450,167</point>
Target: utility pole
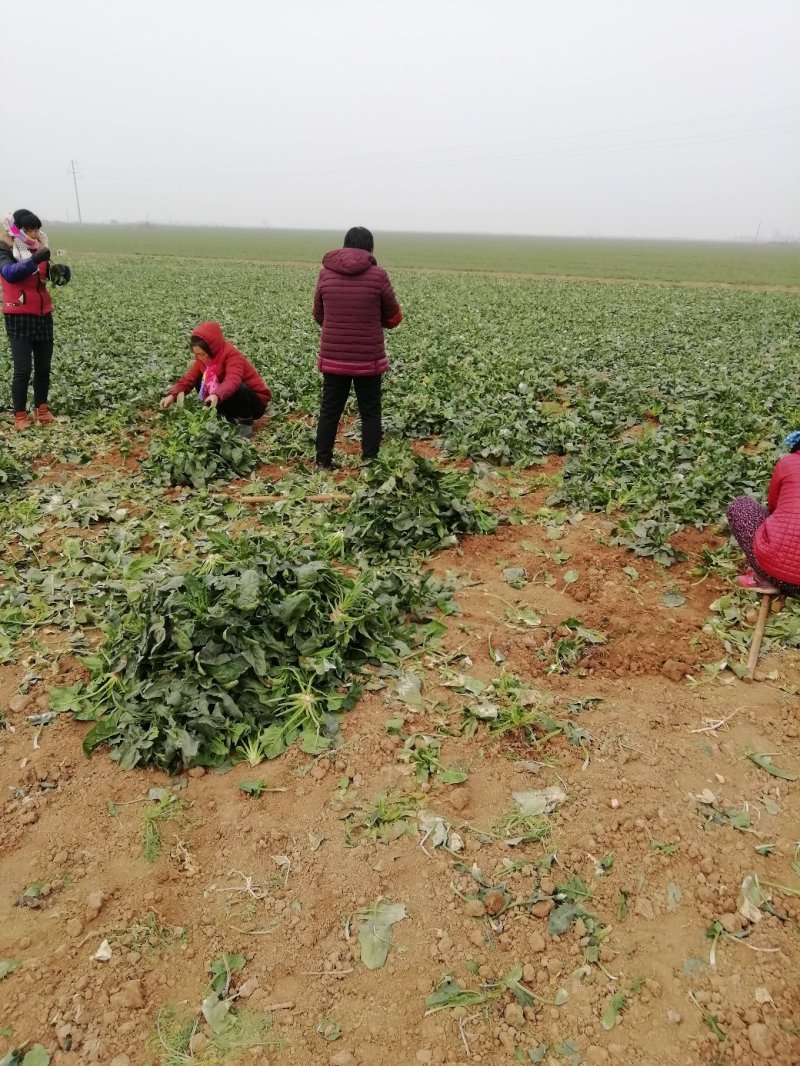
<point>75,183</point>
<point>758,230</point>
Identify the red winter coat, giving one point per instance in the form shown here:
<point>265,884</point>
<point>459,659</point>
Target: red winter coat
<point>233,369</point>
<point>777,541</point>
<point>27,294</point>
<point>354,303</point>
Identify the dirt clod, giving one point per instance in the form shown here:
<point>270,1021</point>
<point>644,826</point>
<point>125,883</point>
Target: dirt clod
<point>760,1039</point>
<point>675,670</point>
<point>596,1055</point>
<point>494,902</point>
<point>94,904</point>
<point>644,908</point>
<point>129,996</point>
<point>514,1015</point>
<point>198,1043</point>
<point>74,927</point>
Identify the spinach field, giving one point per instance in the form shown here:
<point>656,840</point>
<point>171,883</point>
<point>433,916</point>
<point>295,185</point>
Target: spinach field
<point>449,755</point>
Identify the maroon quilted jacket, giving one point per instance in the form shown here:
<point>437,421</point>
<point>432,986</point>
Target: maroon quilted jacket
<point>354,303</point>
<point>777,540</point>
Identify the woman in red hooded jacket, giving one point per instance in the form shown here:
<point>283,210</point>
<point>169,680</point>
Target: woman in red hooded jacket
<point>770,537</point>
<point>224,379</point>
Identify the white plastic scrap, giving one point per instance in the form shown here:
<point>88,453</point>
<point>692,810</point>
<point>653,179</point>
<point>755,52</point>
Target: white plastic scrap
<point>104,952</point>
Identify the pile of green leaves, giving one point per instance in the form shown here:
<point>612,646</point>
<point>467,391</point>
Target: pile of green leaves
<point>258,644</point>
<point>13,471</point>
<point>408,504</point>
<point>197,448</point>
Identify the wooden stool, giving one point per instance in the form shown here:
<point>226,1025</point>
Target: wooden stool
<point>758,632</point>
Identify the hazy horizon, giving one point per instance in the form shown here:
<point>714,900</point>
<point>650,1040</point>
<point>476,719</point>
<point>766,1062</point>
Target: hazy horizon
<point>577,237</point>
<point>675,121</point>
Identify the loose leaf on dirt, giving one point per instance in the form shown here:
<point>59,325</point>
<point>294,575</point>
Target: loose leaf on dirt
<point>222,969</point>
<point>532,802</point>
<point>616,1005</point>
<point>375,932</point>
<point>764,762</point>
<point>253,788</point>
<point>449,994</point>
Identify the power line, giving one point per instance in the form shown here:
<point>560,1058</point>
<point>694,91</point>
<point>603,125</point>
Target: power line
<point>399,163</point>
<point>406,155</point>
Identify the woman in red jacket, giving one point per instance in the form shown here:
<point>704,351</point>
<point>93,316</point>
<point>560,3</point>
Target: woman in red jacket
<point>771,538</point>
<point>354,303</point>
<point>27,310</point>
<point>225,380</point>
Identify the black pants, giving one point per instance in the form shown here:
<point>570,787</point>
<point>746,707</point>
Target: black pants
<point>244,405</point>
<point>335,390</point>
<point>31,346</point>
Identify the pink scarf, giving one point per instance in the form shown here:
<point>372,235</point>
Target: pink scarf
<point>208,385</point>
<point>21,235</point>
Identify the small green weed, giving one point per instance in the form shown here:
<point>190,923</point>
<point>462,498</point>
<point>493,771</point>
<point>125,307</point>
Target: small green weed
<point>175,1029</point>
<point>167,807</point>
<point>387,818</point>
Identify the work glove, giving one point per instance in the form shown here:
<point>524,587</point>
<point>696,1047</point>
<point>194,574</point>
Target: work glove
<point>41,256</point>
<point>59,273</point>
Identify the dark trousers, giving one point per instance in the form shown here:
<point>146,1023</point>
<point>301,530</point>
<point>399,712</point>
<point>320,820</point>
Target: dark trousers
<point>28,354</point>
<point>335,390</point>
<point>244,405</point>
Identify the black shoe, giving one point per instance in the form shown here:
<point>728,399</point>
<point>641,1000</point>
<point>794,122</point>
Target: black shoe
<point>319,465</point>
<point>245,427</point>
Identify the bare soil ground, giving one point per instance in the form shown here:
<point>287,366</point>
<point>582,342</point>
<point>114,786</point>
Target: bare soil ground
<point>278,878</point>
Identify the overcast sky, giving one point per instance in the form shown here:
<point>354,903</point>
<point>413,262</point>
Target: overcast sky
<point>670,118</point>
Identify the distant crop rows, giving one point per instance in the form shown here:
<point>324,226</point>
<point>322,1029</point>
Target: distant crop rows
<point>678,261</point>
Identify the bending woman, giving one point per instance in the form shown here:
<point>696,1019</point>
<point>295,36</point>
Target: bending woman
<point>225,380</point>
<point>770,538</point>
<point>28,311</point>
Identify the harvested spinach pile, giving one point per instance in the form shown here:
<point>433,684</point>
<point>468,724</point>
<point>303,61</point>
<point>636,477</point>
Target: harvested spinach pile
<point>245,653</point>
<point>197,448</point>
<point>408,504</point>
<point>13,472</point>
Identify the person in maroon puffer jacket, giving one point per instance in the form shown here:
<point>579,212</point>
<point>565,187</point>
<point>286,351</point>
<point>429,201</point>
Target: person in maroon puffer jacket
<point>353,303</point>
<point>224,379</point>
<point>770,538</point>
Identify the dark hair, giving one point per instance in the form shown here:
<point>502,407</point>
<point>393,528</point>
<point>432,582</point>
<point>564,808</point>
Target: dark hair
<point>26,219</point>
<point>195,340</point>
<point>359,237</point>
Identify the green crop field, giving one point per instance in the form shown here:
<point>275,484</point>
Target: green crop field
<point>453,730</point>
<point>687,261</point>
<point>664,403</point>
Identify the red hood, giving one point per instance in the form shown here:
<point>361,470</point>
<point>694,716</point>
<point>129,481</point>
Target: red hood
<point>349,260</point>
<point>211,333</point>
